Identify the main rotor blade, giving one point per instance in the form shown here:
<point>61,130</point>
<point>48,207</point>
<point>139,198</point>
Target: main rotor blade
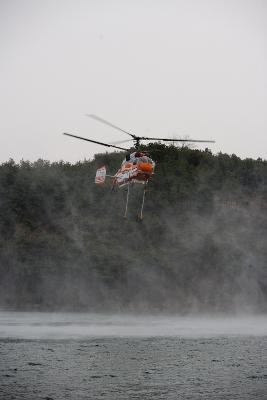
<point>94,141</point>
<point>121,141</point>
<point>178,140</point>
<point>109,124</point>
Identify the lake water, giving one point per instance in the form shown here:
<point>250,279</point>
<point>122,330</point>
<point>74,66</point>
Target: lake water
<point>88,356</point>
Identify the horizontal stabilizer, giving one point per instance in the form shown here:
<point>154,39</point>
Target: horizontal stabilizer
<point>100,176</point>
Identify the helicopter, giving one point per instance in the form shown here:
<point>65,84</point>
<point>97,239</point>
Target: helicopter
<point>136,167</point>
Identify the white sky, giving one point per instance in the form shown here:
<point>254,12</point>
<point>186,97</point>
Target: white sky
<point>160,68</point>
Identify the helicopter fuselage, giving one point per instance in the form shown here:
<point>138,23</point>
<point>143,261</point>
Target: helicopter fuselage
<point>137,170</point>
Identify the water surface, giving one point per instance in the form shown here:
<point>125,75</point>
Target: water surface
<point>86,356</point>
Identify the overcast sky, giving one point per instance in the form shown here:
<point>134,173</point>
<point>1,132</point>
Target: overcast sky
<point>161,68</point>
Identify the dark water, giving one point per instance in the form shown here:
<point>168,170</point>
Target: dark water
<point>79,356</point>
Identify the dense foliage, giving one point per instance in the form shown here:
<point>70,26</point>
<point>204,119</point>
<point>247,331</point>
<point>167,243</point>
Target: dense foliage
<point>202,245</point>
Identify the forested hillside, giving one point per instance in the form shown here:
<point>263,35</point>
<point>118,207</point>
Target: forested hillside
<point>201,247</point>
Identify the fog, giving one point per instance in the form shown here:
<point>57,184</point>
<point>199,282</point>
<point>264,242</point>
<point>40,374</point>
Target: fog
<point>197,262</point>
<point>66,247</point>
<point>28,325</point>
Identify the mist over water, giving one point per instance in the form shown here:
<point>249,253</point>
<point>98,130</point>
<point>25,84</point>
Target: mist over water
<point>117,357</point>
<point>201,247</point>
<point>28,325</point>
<point>196,263</point>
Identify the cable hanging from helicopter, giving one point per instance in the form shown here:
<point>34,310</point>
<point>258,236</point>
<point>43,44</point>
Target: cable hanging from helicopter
<point>137,167</point>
